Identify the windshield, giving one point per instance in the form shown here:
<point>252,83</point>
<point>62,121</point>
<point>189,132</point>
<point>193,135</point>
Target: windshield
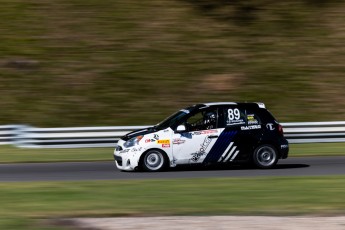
<point>168,122</point>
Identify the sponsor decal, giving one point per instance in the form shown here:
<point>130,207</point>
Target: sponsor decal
<point>165,145</point>
<point>136,149</point>
<point>163,141</point>
<point>156,136</point>
<point>205,132</point>
<point>251,119</point>
<point>284,146</point>
<point>124,151</point>
<point>196,156</point>
<point>270,126</point>
<point>178,141</point>
<point>250,127</point>
<point>149,140</point>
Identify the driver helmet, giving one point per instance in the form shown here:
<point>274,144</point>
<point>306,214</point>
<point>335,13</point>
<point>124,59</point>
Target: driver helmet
<point>210,118</point>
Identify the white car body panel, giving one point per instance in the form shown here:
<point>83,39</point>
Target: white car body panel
<point>192,147</point>
<point>186,148</point>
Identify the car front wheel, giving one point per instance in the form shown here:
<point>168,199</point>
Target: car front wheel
<point>265,156</point>
<point>153,161</point>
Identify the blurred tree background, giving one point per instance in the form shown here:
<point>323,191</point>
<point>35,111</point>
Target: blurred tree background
<point>120,62</point>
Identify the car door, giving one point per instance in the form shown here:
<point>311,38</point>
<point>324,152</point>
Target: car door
<point>257,128</point>
<point>232,142</point>
<point>192,145</point>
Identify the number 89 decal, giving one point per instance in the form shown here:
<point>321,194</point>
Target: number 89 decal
<point>234,116</point>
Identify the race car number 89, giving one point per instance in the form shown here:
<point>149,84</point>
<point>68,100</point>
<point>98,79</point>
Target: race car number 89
<point>233,114</point>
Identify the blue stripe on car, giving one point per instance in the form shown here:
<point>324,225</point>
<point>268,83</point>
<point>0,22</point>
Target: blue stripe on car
<point>220,146</point>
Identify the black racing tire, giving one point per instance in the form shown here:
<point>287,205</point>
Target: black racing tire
<point>154,161</point>
<point>265,156</point>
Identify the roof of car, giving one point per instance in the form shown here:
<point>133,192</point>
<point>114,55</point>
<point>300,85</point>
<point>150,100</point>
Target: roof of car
<point>259,104</point>
<point>220,103</point>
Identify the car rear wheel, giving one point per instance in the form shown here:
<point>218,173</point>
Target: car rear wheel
<point>154,161</point>
<point>265,156</point>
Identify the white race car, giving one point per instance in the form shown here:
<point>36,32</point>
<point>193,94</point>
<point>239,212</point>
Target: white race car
<point>205,134</point>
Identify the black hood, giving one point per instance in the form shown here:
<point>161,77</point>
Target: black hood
<point>138,132</point>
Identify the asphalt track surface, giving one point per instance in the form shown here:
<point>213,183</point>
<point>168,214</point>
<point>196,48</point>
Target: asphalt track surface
<point>77,171</point>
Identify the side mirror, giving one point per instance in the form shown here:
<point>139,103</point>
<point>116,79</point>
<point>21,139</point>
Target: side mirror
<point>181,128</point>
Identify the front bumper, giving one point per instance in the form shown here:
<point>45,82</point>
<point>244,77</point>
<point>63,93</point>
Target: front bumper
<point>127,159</point>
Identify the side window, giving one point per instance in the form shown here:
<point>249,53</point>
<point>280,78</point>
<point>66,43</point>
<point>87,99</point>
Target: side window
<point>204,120</point>
<point>234,116</point>
<point>253,118</point>
<point>194,122</point>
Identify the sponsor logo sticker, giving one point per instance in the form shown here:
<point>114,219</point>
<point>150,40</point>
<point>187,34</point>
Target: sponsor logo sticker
<point>165,145</point>
<point>178,141</point>
<point>149,140</point>
<point>251,119</point>
<point>284,146</point>
<point>163,142</point>
<point>196,156</point>
<point>205,132</point>
<point>250,127</point>
<point>270,126</point>
<point>136,149</point>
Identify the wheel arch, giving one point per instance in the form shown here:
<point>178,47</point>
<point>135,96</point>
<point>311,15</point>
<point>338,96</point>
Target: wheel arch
<point>165,155</point>
<point>266,142</point>
<point>257,162</point>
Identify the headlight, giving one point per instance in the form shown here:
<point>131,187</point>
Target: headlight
<point>133,141</point>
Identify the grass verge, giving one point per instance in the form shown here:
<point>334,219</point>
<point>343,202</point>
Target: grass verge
<point>10,154</point>
<point>29,202</point>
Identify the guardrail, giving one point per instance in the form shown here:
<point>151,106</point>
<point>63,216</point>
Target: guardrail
<point>8,134</point>
<point>314,132</point>
<point>84,137</point>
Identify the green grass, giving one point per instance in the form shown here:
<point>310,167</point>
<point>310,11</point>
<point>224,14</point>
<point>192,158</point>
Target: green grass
<point>90,62</point>
<point>223,196</point>
<point>317,149</point>
<point>10,154</point>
